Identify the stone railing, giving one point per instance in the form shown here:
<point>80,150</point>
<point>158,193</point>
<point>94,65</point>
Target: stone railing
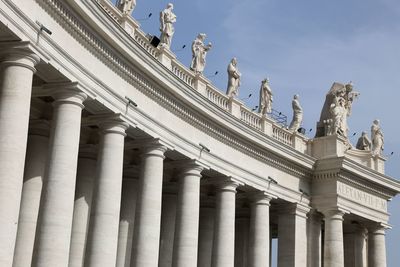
<point>251,118</point>
<point>282,135</point>
<point>217,97</point>
<point>182,72</point>
<point>201,84</point>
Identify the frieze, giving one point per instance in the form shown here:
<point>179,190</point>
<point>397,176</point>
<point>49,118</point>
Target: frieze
<point>361,197</point>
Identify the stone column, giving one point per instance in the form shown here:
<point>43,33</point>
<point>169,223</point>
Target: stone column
<point>377,247</point>
<point>292,236</point>
<point>57,201</point>
<point>206,232</point>
<point>259,237</point>
<point>168,216</point>
<point>333,241</point>
<point>360,249</point>
<point>127,221</point>
<point>35,163</point>
<point>314,247</point>
<point>224,229</point>
<point>16,72</point>
<point>102,240</point>
<point>187,216</point>
<point>83,202</point>
<point>242,226</point>
<point>146,235</point>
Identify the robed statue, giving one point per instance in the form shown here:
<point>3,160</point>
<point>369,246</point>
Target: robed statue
<point>167,20</point>
<point>126,6</point>
<point>266,98</point>
<point>199,53</point>
<point>297,114</point>
<point>233,79</point>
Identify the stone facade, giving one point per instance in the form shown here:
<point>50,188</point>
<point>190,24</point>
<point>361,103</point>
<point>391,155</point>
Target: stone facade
<point>141,162</point>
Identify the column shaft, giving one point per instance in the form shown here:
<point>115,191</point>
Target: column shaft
<point>206,234</point>
<point>333,241</point>
<point>16,73</point>
<point>36,155</point>
<point>83,201</point>
<point>187,218</point>
<point>259,237</point>
<point>314,247</point>
<point>377,248</point>
<point>126,223</point>
<point>292,237</point>
<point>168,215</point>
<point>360,250</point>
<point>102,241</point>
<point>224,230</point>
<point>242,226</point>
<point>57,200</point>
<point>146,235</point>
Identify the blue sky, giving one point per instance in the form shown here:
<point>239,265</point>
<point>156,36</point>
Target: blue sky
<point>303,47</point>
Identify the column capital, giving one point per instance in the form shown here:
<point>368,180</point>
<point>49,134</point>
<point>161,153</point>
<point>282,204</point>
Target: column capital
<point>185,167</point>
<point>153,147</point>
<point>260,198</point>
<point>18,54</point>
<point>66,93</point>
<point>378,229</point>
<point>334,213</point>
<point>295,209</point>
<point>113,125</point>
<point>227,185</point>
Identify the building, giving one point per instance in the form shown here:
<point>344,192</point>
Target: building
<point>113,153</point>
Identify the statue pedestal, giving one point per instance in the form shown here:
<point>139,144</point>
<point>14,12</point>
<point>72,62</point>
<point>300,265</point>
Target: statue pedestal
<point>332,146</point>
<point>379,163</point>
<point>266,125</point>
<point>299,142</point>
<point>200,84</point>
<point>165,56</point>
<point>234,107</point>
<point>129,24</point>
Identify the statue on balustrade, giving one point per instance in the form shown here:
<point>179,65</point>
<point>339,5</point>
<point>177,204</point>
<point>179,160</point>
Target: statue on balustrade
<point>126,6</point>
<point>233,79</point>
<point>199,53</point>
<point>167,20</point>
<point>336,109</point>
<point>266,97</point>
<point>377,138</point>
<point>297,114</point>
<point>363,142</point>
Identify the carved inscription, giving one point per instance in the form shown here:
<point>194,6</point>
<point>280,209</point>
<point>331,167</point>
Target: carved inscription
<point>362,197</point>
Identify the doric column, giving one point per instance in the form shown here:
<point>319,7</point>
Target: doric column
<point>314,226</point>
<point>224,229</point>
<point>360,249</point>
<point>168,215</point>
<point>35,163</point>
<point>16,72</point>
<point>187,216</point>
<point>83,202</point>
<point>333,239</point>
<point>146,235</point>
<point>57,201</point>
<point>377,247</point>
<point>102,241</point>
<point>259,236</point>
<point>292,236</point>
<point>242,227</point>
<point>206,231</point>
<point>127,221</point>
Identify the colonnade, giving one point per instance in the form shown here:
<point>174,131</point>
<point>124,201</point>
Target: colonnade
<point>64,202</point>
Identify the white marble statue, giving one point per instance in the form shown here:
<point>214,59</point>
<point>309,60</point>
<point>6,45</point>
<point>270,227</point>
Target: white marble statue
<point>233,79</point>
<point>297,114</point>
<point>377,138</point>
<point>199,52</point>
<point>363,142</point>
<point>336,109</point>
<point>167,20</point>
<point>266,97</point>
<point>126,6</point>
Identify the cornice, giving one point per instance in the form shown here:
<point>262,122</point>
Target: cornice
<point>180,109</point>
